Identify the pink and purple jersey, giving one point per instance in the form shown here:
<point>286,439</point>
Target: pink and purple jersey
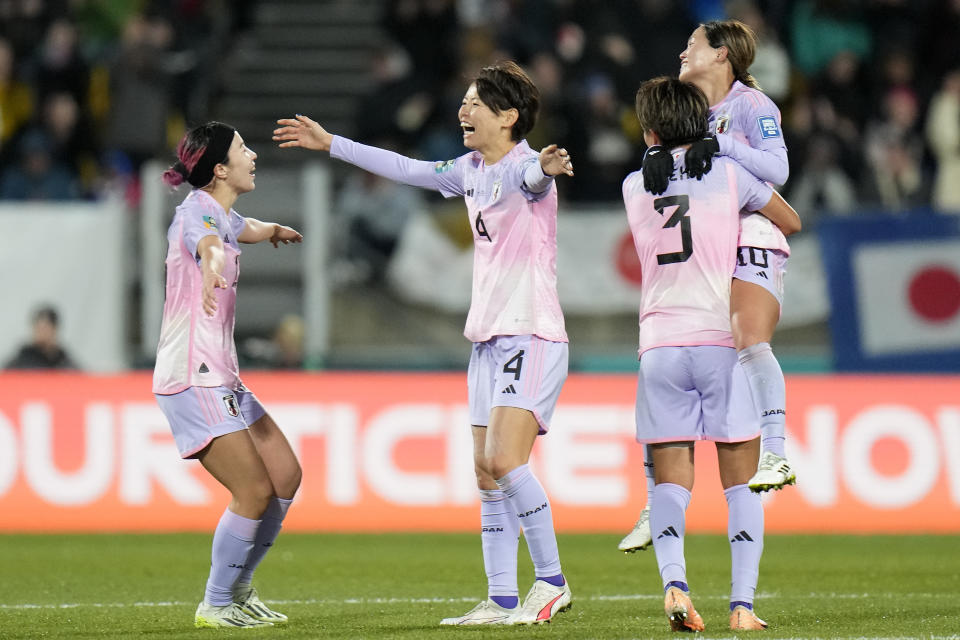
<point>686,240</point>
<point>197,350</point>
<point>748,116</point>
<point>514,233</point>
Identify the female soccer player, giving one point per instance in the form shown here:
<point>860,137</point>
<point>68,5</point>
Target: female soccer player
<point>691,385</point>
<point>745,126</point>
<point>214,418</point>
<point>519,359</point>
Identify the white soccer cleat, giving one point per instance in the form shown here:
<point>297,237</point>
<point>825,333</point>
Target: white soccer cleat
<point>230,616</point>
<point>487,612</point>
<point>543,601</point>
<point>640,538</point>
<point>773,472</point>
<point>249,600</point>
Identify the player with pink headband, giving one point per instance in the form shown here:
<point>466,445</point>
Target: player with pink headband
<point>196,381</point>
<point>745,126</point>
<point>691,386</point>
<point>519,358</point>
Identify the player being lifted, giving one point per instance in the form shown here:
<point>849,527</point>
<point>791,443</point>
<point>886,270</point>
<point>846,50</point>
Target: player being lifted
<point>691,385</point>
<point>519,358</point>
<point>745,126</point>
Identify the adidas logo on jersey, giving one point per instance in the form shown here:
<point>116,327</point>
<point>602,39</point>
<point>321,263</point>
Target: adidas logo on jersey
<point>743,536</point>
<point>762,274</point>
<point>668,532</point>
<point>509,389</point>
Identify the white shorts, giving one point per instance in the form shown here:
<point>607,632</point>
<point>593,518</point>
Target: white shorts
<point>197,415</point>
<point>694,393</point>
<point>765,267</point>
<point>525,372</point>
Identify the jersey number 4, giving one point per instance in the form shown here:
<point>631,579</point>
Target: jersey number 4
<point>682,204</point>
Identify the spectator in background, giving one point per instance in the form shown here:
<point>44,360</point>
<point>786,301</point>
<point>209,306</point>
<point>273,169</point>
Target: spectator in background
<point>371,212</point>
<point>58,65</point>
<point>16,97</point>
<point>72,141</point>
<point>140,90</point>
<point>894,153</point>
<point>771,68</point>
<point>943,136</point>
<point>37,175</point>
<point>44,350</point>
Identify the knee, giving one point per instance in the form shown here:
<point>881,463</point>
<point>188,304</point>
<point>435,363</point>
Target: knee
<point>485,481</point>
<point>500,465</point>
<point>255,497</point>
<point>288,486</point>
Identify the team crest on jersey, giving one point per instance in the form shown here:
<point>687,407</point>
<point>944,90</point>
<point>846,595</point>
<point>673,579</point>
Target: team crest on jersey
<point>209,222</point>
<point>723,123</point>
<point>768,127</point>
<point>443,167</point>
<point>497,188</point>
<point>230,403</point>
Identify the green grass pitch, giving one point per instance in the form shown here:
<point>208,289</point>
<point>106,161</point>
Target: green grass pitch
<point>401,585</point>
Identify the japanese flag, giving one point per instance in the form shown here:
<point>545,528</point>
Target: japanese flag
<point>908,296</point>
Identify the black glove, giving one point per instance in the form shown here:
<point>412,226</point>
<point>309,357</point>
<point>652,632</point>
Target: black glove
<point>699,157</point>
<point>657,169</point>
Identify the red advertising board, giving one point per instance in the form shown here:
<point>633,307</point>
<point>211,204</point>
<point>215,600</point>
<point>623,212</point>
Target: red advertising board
<point>391,451</point>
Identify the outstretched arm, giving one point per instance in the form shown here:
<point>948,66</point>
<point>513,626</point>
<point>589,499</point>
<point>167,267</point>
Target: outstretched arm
<point>304,132</point>
<point>255,231</point>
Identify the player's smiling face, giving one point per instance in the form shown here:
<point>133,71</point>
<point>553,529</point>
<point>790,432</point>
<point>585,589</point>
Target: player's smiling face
<point>241,166</point>
<point>480,125</point>
<point>698,57</point>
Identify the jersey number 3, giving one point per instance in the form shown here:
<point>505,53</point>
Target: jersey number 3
<point>682,204</point>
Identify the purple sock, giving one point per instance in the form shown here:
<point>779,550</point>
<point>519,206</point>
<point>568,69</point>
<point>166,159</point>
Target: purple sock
<point>678,584</point>
<point>557,580</point>
<point>272,521</point>
<point>738,603</point>
<point>668,524</point>
<point>499,538</point>
<point>232,543</point>
<point>529,501</point>
<point>745,530</point>
<point>507,602</point>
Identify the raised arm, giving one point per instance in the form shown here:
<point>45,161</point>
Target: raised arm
<point>304,132</point>
<point>255,231</point>
<point>782,214</point>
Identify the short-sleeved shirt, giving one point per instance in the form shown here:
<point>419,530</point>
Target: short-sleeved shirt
<point>750,117</point>
<point>686,240</point>
<point>197,350</point>
<point>514,233</point>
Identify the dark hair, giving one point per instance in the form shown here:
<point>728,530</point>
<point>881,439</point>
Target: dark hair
<point>506,86</point>
<point>200,150</point>
<point>741,44</point>
<point>677,111</point>
<point>47,313</point>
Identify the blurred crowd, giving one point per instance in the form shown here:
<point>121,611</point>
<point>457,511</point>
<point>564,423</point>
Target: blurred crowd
<point>869,90</point>
<point>90,89</point>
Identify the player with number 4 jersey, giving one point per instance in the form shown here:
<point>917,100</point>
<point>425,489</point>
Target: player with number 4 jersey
<point>519,359</point>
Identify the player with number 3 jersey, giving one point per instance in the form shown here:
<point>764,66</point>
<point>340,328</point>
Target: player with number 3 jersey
<point>519,359</point>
